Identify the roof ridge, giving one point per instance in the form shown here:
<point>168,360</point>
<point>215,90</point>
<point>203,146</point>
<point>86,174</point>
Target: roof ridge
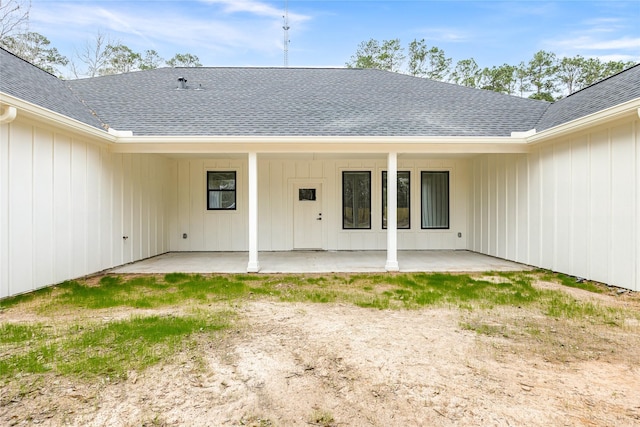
<point>612,90</point>
<point>91,111</point>
<point>30,82</point>
<point>28,62</point>
<point>600,81</point>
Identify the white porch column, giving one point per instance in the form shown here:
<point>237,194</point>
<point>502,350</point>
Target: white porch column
<point>253,265</point>
<point>392,212</point>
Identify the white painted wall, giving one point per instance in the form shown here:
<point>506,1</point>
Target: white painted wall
<point>277,177</point>
<point>570,206</point>
<point>66,203</point>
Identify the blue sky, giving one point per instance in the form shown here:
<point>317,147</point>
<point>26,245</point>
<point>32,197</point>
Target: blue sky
<point>327,33</point>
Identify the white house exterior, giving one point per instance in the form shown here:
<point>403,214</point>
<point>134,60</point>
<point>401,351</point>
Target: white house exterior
<point>99,172</point>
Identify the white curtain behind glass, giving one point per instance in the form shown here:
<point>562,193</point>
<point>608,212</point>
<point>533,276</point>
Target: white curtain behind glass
<point>435,200</point>
<point>214,200</point>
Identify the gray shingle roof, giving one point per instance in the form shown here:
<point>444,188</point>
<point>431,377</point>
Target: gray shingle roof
<point>29,83</point>
<point>301,101</point>
<point>607,93</point>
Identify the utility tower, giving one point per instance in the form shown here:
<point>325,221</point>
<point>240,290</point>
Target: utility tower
<point>286,27</point>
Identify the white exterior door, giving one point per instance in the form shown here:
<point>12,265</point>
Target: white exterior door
<point>307,216</point>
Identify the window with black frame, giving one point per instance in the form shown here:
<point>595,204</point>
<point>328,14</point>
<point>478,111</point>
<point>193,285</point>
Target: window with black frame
<point>403,209</point>
<point>221,190</point>
<point>356,200</point>
<point>434,191</point>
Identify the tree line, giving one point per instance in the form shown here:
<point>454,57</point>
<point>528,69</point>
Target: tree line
<point>98,57</point>
<point>544,76</point>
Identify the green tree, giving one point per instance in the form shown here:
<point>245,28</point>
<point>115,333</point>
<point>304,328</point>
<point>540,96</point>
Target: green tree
<point>184,60</point>
<point>438,65</point>
<point>545,75</point>
<point>542,69</point>
<point>466,73</point>
<point>366,55</point>
<point>614,67</point>
<point>391,55</point>
<point>417,57</point>
<point>522,79</point>
<point>34,47</point>
<point>121,59</point>
<point>569,71</point>
<point>501,79</point>
<point>387,55</point>
<point>151,60</point>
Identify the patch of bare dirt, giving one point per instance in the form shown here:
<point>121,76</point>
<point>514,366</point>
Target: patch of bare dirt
<point>340,365</point>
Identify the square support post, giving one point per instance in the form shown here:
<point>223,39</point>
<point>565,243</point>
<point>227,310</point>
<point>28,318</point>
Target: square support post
<point>253,266</point>
<point>392,213</point>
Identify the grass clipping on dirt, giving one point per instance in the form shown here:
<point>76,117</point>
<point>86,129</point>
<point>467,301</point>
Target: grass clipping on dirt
<point>110,326</point>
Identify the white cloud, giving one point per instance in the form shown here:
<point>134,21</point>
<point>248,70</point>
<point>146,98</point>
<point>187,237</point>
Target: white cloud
<point>616,57</point>
<point>583,43</point>
<point>453,35</point>
<point>256,8</point>
<point>604,25</point>
<point>604,37</point>
<point>220,26</point>
<point>621,43</point>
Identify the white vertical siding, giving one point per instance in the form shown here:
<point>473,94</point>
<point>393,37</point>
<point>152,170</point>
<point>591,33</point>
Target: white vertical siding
<point>43,225</point>
<point>226,230</point>
<point>572,205</point>
<point>623,204</point>
<point>207,230</point>
<point>63,231</point>
<point>580,198</point>
<point>116,212</point>
<point>485,217</point>
<point>66,203</point>
<point>20,200</point>
<point>521,218</point>
<point>599,206</point>
<point>548,208</point>
<point>511,206</point>
<point>106,219</point>
<point>4,210</point>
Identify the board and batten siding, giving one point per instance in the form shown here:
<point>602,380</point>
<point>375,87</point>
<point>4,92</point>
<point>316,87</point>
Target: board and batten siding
<point>66,203</point>
<point>570,206</point>
<point>277,178</point>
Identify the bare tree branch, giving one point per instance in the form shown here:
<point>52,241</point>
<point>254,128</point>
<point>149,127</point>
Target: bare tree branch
<point>94,55</point>
<point>14,17</point>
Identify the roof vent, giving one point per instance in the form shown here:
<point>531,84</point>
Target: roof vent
<point>182,83</point>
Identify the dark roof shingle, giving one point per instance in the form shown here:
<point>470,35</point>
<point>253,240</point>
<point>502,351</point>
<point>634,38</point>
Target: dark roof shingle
<point>301,101</point>
<point>29,83</point>
<point>615,90</point>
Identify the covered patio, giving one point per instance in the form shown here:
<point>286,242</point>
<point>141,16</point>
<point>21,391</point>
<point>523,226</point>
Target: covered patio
<point>320,262</point>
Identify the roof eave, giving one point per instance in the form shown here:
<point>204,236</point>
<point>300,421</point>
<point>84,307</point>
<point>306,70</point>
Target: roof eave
<point>318,144</point>
<point>34,111</point>
<point>620,111</point>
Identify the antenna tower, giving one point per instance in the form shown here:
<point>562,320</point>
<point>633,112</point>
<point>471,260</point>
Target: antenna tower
<point>286,27</point>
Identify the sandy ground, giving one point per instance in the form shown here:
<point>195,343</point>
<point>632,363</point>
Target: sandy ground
<point>340,365</point>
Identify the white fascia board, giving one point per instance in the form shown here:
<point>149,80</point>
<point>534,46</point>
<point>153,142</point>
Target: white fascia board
<point>31,110</point>
<point>318,144</point>
<point>619,111</point>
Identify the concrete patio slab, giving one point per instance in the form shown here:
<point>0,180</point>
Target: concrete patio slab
<point>319,262</point>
